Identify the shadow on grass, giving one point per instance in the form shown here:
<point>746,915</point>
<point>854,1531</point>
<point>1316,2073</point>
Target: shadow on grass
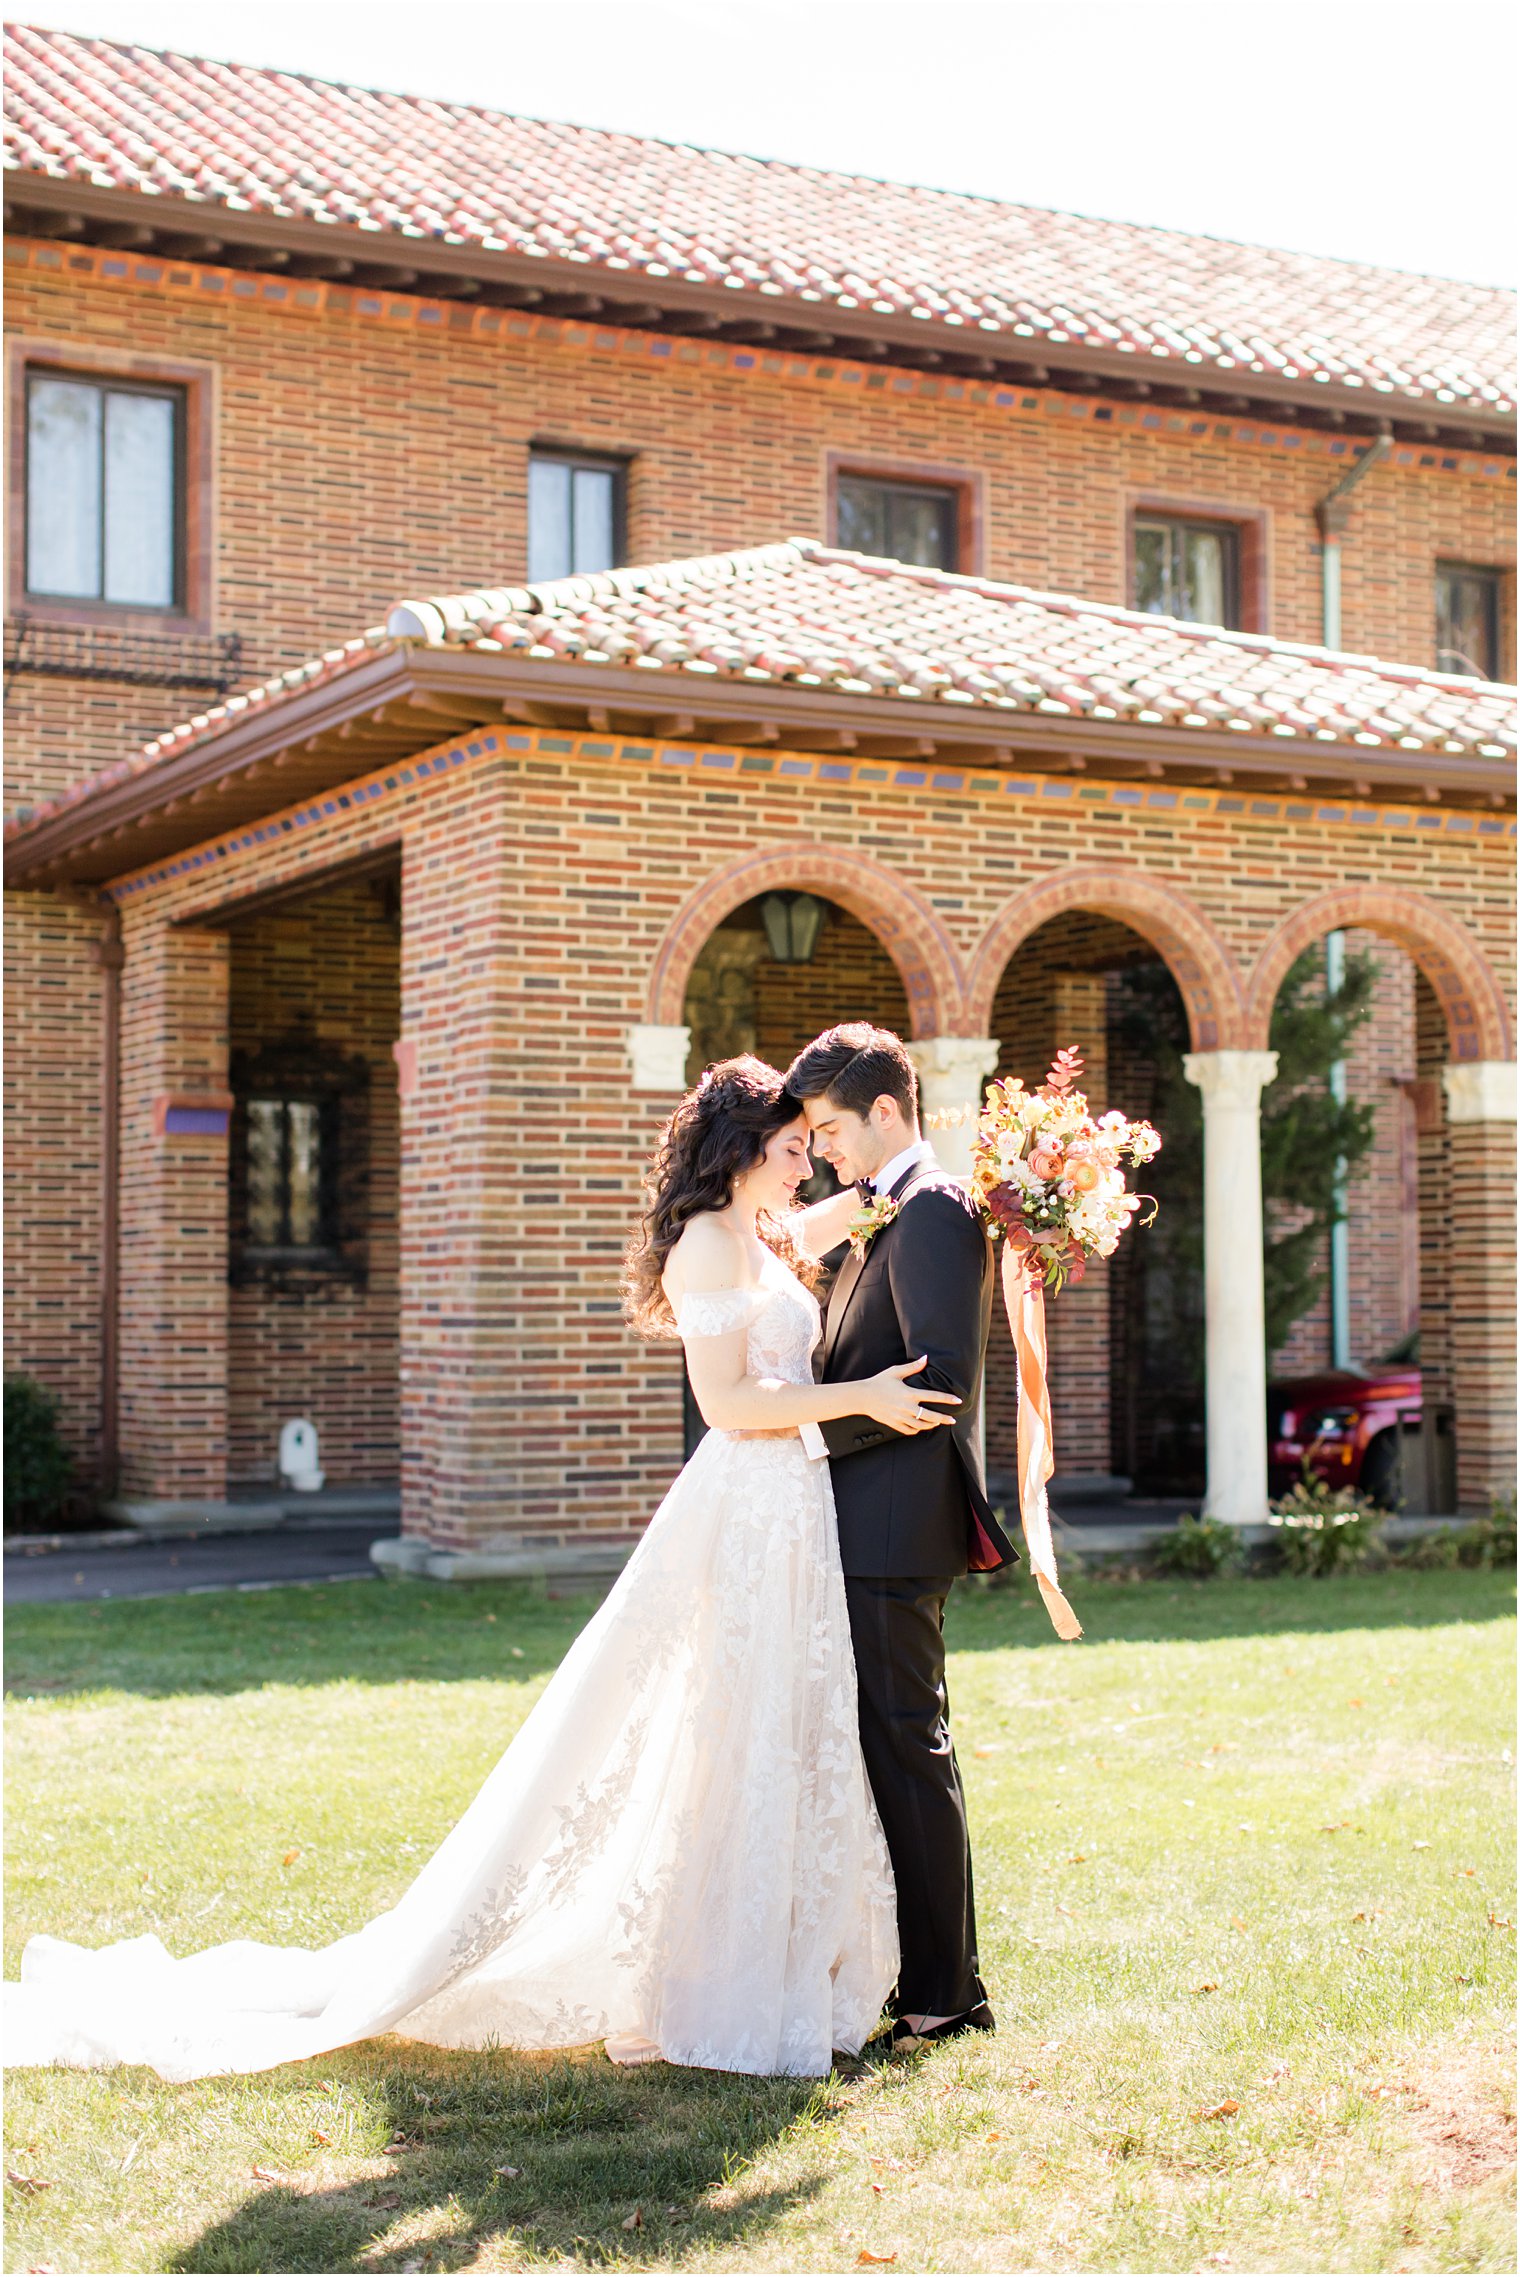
<point>417,1632</point>
<point>550,2155</point>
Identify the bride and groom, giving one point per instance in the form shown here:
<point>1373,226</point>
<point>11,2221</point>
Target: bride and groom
<point>731,1831</point>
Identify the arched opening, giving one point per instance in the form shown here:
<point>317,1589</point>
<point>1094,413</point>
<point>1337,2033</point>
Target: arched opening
<point>1127,1342</point>
<point>742,996</point>
<point>1356,1181</point>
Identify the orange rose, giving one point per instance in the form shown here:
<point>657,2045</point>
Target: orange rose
<point>1083,1175</point>
<point>1045,1162</point>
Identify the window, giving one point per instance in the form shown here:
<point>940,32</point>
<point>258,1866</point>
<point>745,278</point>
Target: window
<point>298,1163</point>
<point>1187,569</point>
<point>103,491</point>
<point>900,521</point>
<point>1467,620</point>
<point>575,515</point>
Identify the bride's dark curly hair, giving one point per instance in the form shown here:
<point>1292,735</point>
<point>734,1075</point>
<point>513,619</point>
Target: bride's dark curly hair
<point>719,1131</point>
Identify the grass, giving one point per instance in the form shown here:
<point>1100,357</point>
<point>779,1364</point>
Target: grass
<point>1249,1845</point>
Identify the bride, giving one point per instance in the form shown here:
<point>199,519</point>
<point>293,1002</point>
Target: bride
<point>678,1853</point>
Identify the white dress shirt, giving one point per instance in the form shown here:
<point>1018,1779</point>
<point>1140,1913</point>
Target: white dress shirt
<point>883,1180</point>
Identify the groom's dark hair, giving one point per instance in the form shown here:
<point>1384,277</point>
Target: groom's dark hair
<point>854,1064</point>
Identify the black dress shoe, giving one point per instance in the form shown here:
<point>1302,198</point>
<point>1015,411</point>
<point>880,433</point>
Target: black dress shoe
<point>978,2019</point>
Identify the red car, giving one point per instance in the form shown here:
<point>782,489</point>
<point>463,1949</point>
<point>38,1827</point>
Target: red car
<point>1347,1422</point>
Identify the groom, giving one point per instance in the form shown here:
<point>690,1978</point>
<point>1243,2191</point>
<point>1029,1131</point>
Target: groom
<point>913,1511</point>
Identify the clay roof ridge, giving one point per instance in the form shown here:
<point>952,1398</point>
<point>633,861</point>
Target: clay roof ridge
<point>433,619</point>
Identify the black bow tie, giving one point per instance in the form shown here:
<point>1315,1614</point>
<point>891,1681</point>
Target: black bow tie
<point>866,1189</point>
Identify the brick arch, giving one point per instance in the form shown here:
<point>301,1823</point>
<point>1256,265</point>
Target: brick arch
<point>1180,934</point>
<point>907,929</point>
<point>1477,1017</point>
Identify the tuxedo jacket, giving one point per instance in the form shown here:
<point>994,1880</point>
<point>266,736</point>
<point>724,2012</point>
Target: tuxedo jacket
<point>915,1503</point>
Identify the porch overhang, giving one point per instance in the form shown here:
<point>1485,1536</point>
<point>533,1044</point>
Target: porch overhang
<point>406,697</point>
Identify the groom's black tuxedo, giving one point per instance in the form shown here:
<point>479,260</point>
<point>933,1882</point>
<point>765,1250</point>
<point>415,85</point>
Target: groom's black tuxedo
<point>915,1505</point>
<point>913,1513</point>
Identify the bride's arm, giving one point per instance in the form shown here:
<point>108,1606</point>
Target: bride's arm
<point>822,1226</point>
<point>709,1260</point>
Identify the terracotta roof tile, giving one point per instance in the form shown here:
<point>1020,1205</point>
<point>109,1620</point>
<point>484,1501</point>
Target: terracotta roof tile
<point>805,615</point>
<point>1015,277</point>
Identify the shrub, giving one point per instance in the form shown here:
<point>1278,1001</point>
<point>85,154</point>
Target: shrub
<point>1486,1541</point>
<point>38,1466</point>
<point>1319,1531</point>
<point>1197,1546</point>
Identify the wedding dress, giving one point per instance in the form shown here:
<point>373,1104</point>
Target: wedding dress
<point>678,1847</point>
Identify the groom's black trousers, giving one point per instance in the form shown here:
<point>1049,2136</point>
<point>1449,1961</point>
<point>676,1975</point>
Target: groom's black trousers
<point>896,1626</point>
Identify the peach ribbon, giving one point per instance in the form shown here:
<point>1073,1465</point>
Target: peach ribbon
<point>1024,1297</point>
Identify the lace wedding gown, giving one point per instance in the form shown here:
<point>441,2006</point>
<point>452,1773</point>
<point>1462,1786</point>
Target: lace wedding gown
<point>679,1845</point>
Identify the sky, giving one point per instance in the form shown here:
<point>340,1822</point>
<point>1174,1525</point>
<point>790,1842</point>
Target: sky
<point>1366,129</point>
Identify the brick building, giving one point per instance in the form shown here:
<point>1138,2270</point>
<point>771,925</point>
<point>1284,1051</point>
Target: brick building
<point>383,855</point>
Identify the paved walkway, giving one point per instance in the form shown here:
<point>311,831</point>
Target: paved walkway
<point>131,1566</point>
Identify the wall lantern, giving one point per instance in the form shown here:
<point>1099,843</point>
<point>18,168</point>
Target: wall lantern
<point>793,922</point>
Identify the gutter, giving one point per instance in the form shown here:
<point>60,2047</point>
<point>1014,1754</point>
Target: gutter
<point>399,701</point>
<point>1333,514</point>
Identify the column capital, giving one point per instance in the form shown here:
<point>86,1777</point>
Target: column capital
<point>1230,1078</point>
<point>959,1060</point>
<point>1479,1090</point>
<point>657,1057</point>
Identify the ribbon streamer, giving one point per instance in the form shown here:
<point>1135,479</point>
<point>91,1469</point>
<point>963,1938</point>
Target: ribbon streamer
<point>1024,1298</point>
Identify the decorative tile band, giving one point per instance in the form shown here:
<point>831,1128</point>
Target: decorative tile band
<point>310,298</point>
<point>971,783</point>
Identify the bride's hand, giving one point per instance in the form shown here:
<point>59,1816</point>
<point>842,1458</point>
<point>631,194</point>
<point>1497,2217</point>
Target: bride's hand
<point>890,1399</point>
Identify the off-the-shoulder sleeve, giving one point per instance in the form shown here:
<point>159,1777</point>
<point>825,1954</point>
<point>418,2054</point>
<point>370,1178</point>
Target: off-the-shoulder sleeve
<point>716,1312</point>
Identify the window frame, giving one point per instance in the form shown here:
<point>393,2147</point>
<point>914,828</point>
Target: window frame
<point>196,487</point>
<point>105,385</point>
<point>1252,527</point>
<point>1493,581</point>
<point>965,486</point>
<point>592,462</point>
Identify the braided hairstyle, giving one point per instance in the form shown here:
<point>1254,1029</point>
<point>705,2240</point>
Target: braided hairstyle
<point>719,1131</point>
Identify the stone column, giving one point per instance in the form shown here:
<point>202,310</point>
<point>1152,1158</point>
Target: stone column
<point>1234,1302</point>
<point>951,1072</point>
<point>175,1113</point>
<point>1480,1271</point>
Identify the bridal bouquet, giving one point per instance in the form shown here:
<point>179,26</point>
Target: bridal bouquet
<point>1046,1174</point>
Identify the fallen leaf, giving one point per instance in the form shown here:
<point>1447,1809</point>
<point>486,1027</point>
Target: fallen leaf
<point>385,2205</point>
<point>994,2138</point>
<point>1497,1921</point>
<point>266,2174</point>
<point>1464,1980</point>
<point>517,1652</point>
<point>1463,1873</point>
<point>1236,1922</point>
<point>1280,2071</point>
<point>29,2182</point>
<point>1078,1858</point>
<point>509,2173</point>
<point>1422,1846</point>
<point>866,2259</point>
<point>1225,2110</point>
<point>1066,1909</point>
<point>1211,1986</point>
<point>1353,1703</point>
<point>290,1857</point>
<point>635,2220</point>
<point>318,2136</point>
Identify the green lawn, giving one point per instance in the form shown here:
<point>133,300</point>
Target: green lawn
<point>1246,1851</point>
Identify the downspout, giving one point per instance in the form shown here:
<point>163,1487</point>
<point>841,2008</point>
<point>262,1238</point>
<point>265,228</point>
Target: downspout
<point>110,955</point>
<point>1332,513</point>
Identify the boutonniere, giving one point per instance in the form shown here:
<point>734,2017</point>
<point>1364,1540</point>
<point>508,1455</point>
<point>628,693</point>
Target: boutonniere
<point>873,1215</point>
